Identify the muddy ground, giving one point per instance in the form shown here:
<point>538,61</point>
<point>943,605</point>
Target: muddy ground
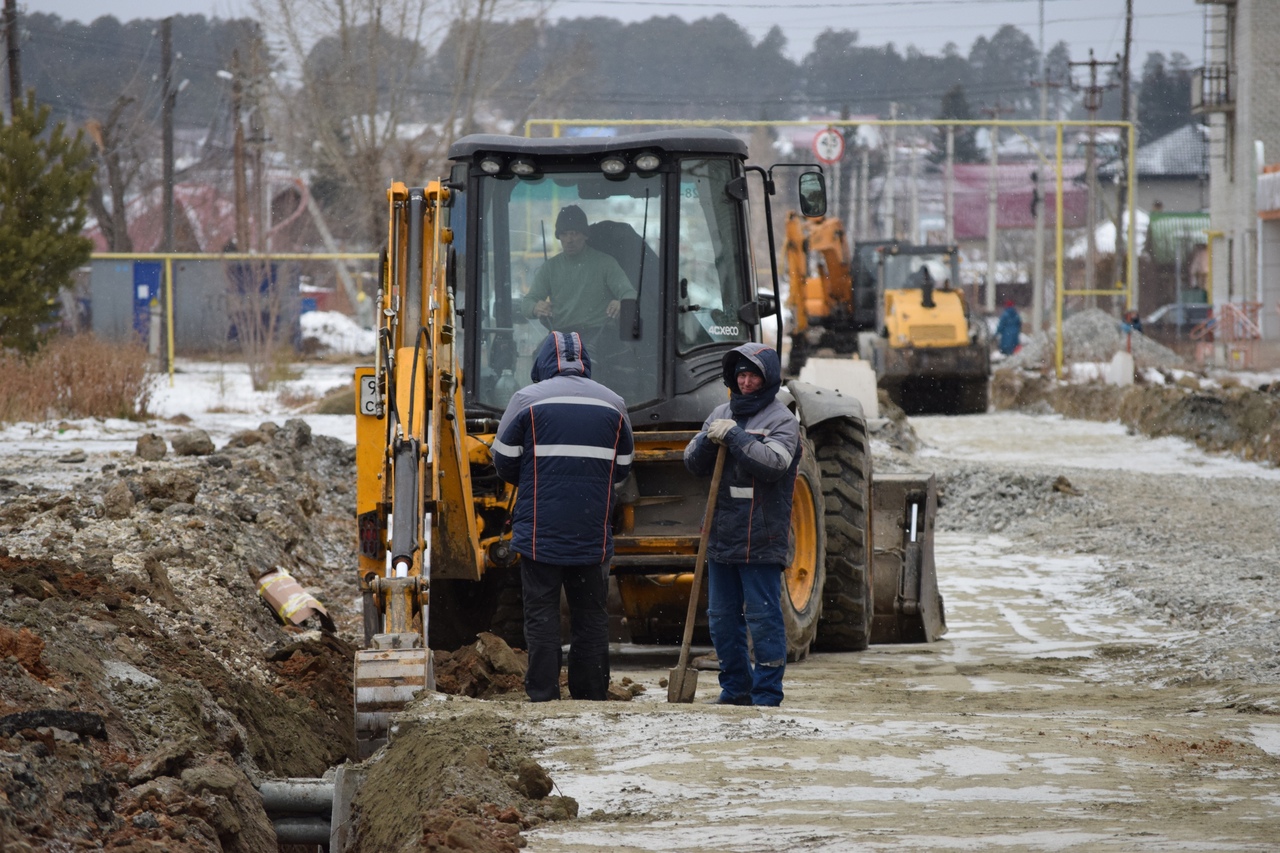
<point>145,688</point>
<point>1109,681</point>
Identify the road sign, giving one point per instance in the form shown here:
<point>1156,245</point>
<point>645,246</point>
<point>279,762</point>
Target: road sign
<point>828,145</point>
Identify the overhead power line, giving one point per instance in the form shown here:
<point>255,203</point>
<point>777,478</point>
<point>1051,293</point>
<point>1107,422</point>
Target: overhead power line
<point>850,4</point>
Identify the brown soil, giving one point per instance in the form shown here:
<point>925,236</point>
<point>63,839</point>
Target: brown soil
<point>1236,420</point>
<point>144,687</point>
<point>475,787</point>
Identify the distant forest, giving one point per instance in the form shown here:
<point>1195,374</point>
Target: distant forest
<point>664,67</point>
<point>385,95</point>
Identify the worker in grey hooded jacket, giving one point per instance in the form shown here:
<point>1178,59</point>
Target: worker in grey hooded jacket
<point>750,531</point>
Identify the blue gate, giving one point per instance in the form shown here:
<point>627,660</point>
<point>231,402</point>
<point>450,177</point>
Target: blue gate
<point>146,288</point>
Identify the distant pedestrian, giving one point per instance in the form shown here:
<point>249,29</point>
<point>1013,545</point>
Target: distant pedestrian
<point>1132,322</point>
<point>564,441</point>
<point>750,534</point>
<point>1009,329</point>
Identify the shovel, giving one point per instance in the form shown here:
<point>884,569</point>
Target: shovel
<point>682,683</point>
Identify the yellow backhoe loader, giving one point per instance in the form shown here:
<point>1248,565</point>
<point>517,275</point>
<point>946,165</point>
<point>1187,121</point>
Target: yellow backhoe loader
<point>897,306</point>
<point>455,341</point>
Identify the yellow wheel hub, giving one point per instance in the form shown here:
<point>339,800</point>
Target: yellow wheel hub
<point>802,571</point>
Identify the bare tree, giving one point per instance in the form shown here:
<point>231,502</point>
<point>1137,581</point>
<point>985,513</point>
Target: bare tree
<point>259,310</point>
<point>352,96</point>
<point>116,144</point>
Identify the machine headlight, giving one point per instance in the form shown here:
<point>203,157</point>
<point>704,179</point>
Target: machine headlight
<point>648,161</point>
<point>491,165</point>
<point>524,167</point>
<point>613,165</point>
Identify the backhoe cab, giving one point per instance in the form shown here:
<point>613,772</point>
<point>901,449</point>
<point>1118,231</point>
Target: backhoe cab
<point>457,337</point>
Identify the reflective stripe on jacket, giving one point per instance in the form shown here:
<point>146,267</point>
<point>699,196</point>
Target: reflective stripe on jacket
<point>752,522</point>
<point>564,441</point>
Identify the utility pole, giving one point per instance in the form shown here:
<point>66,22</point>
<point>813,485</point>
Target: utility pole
<point>1123,240</point>
<point>993,205</point>
<point>15,56</point>
<point>166,73</point>
<point>914,194</point>
<point>1037,199</point>
<point>889,228</point>
<point>257,138</point>
<point>1092,103</point>
<point>844,183</point>
<point>950,198</point>
<point>1037,205</point>
<point>237,154</point>
<point>864,195</point>
<point>167,102</point>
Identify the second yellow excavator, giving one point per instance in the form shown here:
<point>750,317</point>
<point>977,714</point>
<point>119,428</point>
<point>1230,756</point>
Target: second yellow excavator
<point>893,304</point>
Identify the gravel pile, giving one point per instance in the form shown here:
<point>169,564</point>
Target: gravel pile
<point>1201,554</point>
<point>976,499</point>
<point>1092,336</point>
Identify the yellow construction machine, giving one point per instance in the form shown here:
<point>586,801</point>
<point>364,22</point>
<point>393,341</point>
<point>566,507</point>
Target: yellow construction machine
<point>894,304</point>
<point>455,341</point>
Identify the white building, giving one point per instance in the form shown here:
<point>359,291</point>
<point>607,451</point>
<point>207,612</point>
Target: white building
<point>1237,90</point>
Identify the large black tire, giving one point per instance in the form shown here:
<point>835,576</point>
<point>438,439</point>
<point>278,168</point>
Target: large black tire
<point>844,456</point>
<point>798,356</point>
<point>802,581</point>
<point>975,396</point>
<point>461,609</point>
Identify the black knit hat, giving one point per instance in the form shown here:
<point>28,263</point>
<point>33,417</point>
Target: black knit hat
<point>571,218</point>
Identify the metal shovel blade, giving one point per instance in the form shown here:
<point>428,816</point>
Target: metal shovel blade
<point>682,685</point>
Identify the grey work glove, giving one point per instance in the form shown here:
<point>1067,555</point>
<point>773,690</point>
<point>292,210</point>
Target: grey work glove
<point>719,428</point>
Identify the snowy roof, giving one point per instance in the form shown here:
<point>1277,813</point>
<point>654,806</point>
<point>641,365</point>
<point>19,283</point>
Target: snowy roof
<point>1180,154</point>
<point>1104,237</point>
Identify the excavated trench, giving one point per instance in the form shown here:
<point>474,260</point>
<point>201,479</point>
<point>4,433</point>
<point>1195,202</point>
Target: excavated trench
<point>146,690</point>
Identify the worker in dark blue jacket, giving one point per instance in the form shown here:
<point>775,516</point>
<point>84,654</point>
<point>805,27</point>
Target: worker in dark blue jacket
<point>564,441</point>
<point>1009,329</point>
<point>750,532</point>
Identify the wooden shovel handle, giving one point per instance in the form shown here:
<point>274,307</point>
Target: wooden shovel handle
<point>700,566</point>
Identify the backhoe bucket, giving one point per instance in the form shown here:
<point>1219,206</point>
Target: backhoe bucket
<point>904,584</point>
<point>386,681</point>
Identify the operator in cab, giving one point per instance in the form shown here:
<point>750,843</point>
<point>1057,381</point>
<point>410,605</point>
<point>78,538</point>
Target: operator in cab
<point>581,289</point>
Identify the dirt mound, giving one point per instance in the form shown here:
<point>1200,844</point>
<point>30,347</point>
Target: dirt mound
<point>1234,420</point>
<point>144,687</point>
<point>1092,336</point>
<point>475,786</point>
<point>897,431</point>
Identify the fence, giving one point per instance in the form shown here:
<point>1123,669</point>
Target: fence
<point>197,302</point>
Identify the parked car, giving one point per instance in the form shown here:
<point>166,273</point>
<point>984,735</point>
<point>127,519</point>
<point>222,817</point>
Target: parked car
<point>1176,319</point>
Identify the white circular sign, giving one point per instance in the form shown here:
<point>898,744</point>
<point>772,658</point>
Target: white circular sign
<point>828,145</point>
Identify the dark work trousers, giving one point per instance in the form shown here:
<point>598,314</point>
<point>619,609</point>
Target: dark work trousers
<point>742,598</point>
<point>586,589</point>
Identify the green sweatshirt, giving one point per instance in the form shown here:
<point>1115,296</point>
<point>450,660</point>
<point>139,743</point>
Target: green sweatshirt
<point>581,287</point>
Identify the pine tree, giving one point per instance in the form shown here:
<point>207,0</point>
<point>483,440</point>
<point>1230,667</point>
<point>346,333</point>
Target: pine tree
<point>956,106</point>
<point>45,179</point>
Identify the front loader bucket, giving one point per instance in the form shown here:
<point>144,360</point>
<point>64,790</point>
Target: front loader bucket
<point>904,584</point>
<point>385,682</point>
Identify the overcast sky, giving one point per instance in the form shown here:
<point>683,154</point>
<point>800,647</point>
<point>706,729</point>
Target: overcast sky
<point>1167,26</point>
